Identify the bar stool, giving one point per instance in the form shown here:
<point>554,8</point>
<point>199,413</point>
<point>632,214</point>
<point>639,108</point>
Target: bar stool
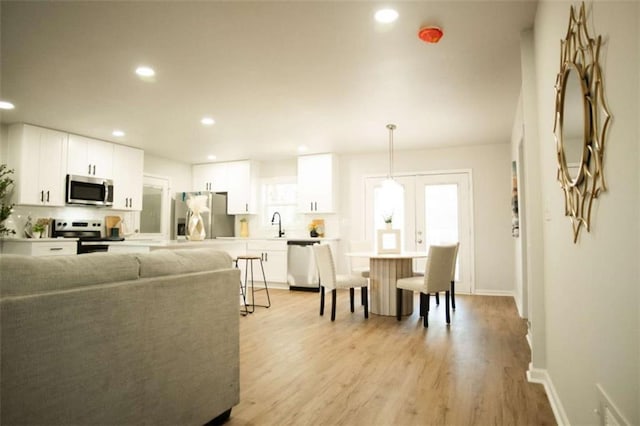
<point>248,263</point>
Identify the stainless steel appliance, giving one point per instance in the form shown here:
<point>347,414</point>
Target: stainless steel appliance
<point>217,223</point>
<point>88,233</point>
<point>302,273</point>
<point>89,190</point>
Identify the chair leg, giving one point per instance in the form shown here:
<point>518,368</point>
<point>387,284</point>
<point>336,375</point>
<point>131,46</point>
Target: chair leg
<point>351,297</point>
<point>453,295</point>
<point>365,300</point>
<point>321,300</point>
<point>425,319</point>
<point>362,297</point>
<point>446,309</point>
<point>437,299</point>
<point>398,303</point>
<point>422,305</point>
<point>333,304</point>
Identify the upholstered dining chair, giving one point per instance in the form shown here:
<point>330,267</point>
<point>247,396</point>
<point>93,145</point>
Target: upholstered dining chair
<point>438,275</point>
<point>330,281</point>
<point>360,265</point>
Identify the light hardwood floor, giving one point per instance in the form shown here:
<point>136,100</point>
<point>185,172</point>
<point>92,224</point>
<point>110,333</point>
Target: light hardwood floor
<point>298,368</point>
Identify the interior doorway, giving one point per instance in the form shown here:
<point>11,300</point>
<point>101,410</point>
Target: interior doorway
<point>434,208</point>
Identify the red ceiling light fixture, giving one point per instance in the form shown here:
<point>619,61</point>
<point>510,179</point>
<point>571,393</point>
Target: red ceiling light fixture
<point>430,34</point>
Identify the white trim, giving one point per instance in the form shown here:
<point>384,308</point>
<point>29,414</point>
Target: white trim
<point>481,292</point>
<point>541,376</point>
<point>529,338</point>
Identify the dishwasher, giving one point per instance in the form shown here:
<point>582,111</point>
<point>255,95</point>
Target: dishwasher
<point>302,273</point>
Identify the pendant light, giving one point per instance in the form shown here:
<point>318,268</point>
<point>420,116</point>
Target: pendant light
<point>390,190</point>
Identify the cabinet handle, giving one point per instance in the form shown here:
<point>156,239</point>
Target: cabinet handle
<point>315,205</point>
<point>130,202</point>
<point>246,207</point>
<point>55,249</point>
<point>47,196</point>
<point>311,206</point>
<point>94,169</point>
<point>89,171</point>
<point>266,257</point>
<point>42,196</point>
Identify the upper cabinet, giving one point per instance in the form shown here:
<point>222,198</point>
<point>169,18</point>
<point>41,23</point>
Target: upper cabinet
<point>39,158</point>
<point>210,177</point>
<point>128,171</point>
<point>242,188</point>
<point>90,157</point>
<point>317,180</point>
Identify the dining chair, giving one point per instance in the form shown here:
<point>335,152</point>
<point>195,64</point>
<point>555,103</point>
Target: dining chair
<point>329,280</point>
<point>360,265</point>
<point>438,275</point>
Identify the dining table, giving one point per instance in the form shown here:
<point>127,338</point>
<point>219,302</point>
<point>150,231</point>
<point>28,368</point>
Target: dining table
<point>384,270</point>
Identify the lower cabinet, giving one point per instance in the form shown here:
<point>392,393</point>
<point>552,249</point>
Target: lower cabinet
<point>35,247</point>
<point>274,261</point>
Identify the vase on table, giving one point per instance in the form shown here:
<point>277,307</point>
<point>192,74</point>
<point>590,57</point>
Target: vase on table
<point>195,229</point>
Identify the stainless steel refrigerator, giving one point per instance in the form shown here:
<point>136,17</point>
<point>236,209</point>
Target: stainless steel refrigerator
<point>217,223</point>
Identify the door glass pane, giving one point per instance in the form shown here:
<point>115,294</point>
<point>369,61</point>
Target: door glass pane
<point>151,214</point>
<point>388,200</point>
<point>441,215</point>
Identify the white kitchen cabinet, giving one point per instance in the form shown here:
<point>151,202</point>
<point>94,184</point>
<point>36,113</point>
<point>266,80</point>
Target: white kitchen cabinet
<point>90,157</point>
<point>317,183</point>
<point>128,173</point>
<point>39,247</point>
<point>242,188</point>
<point>274,261</point>
<point>210,177</point>
<point>39,159</point>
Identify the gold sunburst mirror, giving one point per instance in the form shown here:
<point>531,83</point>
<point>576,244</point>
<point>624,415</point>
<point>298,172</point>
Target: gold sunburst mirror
<point>581,121</point>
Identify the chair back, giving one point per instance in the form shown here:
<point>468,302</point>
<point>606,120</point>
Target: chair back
<point>326,267</point>
<point>441,265</point>
<point>359,264</point>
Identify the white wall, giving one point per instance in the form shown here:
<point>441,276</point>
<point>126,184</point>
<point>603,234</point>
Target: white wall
<point>591,288</point>
<point>178,173</point>
<point>491,169</point>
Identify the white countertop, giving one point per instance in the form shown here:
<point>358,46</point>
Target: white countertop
<point>286,238</point>
<point>36,240</point>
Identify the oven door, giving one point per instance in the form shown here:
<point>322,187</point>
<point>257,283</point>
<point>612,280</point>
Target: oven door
<point>85,247</point>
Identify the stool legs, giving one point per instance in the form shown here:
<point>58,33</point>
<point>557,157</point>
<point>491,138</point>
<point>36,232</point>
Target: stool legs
<point>245,288</point>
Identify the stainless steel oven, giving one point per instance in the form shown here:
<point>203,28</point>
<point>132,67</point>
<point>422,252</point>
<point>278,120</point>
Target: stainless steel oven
<point>88,233</point>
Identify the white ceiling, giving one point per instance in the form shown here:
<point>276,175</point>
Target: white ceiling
<point>274,75</point>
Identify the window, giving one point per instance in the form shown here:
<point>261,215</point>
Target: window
<point>280,195</point>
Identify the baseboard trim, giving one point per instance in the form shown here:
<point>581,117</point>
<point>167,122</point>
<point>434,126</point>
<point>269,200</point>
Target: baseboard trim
<point>507,293</point>
<point>541,376</point>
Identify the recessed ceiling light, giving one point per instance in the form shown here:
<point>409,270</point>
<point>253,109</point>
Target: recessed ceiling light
<point>117,133</point>
<point>144,71</point>
<point>211,157</point>
<point>6,105</point>
<point>386,16</point>
<point>208,121</point>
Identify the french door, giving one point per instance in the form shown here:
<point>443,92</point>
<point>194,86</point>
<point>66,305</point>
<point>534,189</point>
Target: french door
<point>428,209</point>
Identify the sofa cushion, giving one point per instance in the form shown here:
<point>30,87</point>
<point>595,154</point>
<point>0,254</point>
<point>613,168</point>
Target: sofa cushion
<point>25,275</point>
<point>171,262</point>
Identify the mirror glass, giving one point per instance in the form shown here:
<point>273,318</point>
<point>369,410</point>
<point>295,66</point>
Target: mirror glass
<point>574,123</point>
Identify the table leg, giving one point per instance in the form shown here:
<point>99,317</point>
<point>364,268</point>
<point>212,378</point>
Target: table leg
<point>383,275</point>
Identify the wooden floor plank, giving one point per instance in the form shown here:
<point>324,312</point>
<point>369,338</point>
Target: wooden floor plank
<point>298,368</point>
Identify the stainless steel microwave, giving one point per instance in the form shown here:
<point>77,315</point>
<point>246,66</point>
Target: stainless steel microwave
<point>89,190</point>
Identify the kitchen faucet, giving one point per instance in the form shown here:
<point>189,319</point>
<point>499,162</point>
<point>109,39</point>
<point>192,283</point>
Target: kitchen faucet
<point>273,220</point>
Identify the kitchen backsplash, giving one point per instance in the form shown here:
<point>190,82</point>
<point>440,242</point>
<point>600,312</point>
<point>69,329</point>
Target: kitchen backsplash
<point>19,216</point>
<point>260,228</point>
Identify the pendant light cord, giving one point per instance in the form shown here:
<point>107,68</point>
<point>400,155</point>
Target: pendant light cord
<point>391,128</point>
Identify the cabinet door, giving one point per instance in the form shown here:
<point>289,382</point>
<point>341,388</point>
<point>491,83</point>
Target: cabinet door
<point>52,161</point>
<point>89,157</point>
<point>316,181</point>
<point>210,177</point>
<point>275,266</point>
<point>128,173</point>
<point>242,188</point>
<point>38,157</point>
